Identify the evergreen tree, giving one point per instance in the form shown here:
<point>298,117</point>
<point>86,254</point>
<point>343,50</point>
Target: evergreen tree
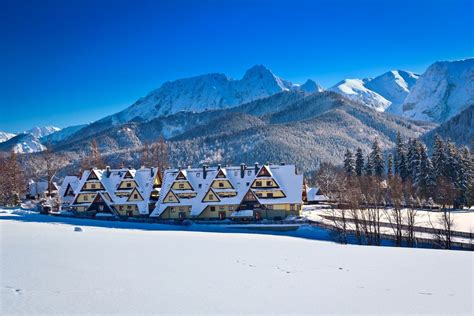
<point>398,153</point>
<point>369,168</point>
<point>423,180</point>
<point>438,158</point>
<point>349,163</point>
<point>465,178</point>
<point>452,162</point>
<point>413,158</point>
<point>389,165</point>
<point>359,163</point>
<point>376,159</point>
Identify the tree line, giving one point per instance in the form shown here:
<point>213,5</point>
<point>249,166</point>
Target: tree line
<point>395,185</point>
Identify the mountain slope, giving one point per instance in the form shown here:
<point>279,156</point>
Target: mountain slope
<point>61,134</point>
<point>42,131</point>
<point>379,93</point>
<point>4,136</point>
<point>444,90</point>
<point>206,92</point>
<point>22,143</point>
<point>459,128</point>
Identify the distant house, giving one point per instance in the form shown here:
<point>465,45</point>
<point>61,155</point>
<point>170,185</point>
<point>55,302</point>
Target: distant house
<point>314,195</point>
<point>67,191</point>
<point>39,188</point>
<point>238,192</point>
<point>122,192</point>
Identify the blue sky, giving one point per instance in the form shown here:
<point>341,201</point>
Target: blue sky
<point>70,62</point>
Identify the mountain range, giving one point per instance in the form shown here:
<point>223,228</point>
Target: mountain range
<point>216,119</point>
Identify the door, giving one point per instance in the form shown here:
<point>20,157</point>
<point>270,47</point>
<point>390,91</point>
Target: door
<point>182,215</point>
<point>222,215</point>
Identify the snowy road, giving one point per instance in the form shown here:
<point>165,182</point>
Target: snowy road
<point>49,268</point>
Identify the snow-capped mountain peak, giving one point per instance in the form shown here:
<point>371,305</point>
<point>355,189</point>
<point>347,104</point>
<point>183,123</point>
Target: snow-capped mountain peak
<point>444,90</point>
<point>205,92</point>
<point>4,136</point>
<point>42,131</point>
<point>311,86</point>
<point>387,90</point>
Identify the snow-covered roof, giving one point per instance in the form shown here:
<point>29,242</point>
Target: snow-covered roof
<point>72,181</point>
<point>111,179</point>
<point>315,195</point>
<point>241,179</point>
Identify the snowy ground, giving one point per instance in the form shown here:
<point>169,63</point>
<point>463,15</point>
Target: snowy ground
<point>47,267</point>
<point>463,220</point>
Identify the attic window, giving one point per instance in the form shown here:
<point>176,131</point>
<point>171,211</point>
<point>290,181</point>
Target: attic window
<point>181,185</point>
<point>269,183</point>
<point>200,185</point>
<point>198,174</point>
<point>248,183</point>
<point>93,185</point>
<point>249,172</point>
<point>258,183</point>
<point>129,185</point>
<point>211,196</point>
<point>221,185</point>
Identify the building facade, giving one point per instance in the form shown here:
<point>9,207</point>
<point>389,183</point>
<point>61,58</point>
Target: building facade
<point>238,193</point>
<point>122,192</point>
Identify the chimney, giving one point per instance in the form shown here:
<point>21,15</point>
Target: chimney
<point>218,167</point>
<point>152,171</point>
<point>107,171</point>
<point>204,171</point>
<point>242,170</point>
<point>256,167</point>
<point>282,163</point>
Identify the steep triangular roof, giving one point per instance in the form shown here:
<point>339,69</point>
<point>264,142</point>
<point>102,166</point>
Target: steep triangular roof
<point>170,193</point>
<point>264,172</point>
<point>93,175</point>
<point>210,192</point>
<point>131,194</point>
<point>180,175</point>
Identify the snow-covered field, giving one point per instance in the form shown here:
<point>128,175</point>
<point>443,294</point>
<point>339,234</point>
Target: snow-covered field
<point>48,267</point>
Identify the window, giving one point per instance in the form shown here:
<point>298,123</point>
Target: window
<point>198,174</point>
<point>292,207</point>
<point>93,185</point>
<point>129,207</point>
<point>269,183</point>
<point>249,173</point>
<point>181,209</point>
<point>213,208</point>
<point>231,208</point>
<point>170,198</point>
<point>86,198</point>
<point>269,194</point>
<point>181,185</point>
<point>221,208</point>
<point>270,207</point>
<point>135,196</point>
<point>172,210</point>
<point>211,196</point>
<point>129,185</point>
<point>121,208</point>
<point>200,185</point>
<point>101,207</point>
<point>258,183</point>
<point>248,183</point>
<point>221,185</point>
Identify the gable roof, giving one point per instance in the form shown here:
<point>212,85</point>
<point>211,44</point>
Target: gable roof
<point>284,175</point>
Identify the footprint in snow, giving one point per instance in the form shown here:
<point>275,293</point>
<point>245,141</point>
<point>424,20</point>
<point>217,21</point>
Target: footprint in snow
<point>425,293</point>
<point>77,229</point>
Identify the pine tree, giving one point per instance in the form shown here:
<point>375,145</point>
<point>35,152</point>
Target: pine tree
<point>438,158</point>
<point>398,153</point>
<point>369,168</point>
<point>465,178</point>
<point>359,163</point>
<point>349,163</point>
<point>376,159</point>
<point>389,165</point>
<point>423,180</point>
<point>413,158</point>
